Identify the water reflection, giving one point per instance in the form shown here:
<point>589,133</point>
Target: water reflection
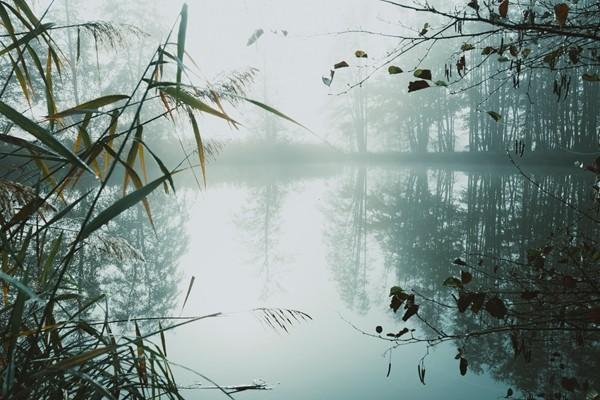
<point>134,264</point>
<point>260,221</point>
<point>424,219</point>
<point>332,245</point>
<point>347,239</point>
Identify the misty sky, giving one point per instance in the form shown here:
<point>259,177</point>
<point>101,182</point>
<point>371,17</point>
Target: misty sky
<point>290,66</point>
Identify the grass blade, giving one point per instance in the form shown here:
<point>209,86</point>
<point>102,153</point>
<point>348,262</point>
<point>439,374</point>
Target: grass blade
<point>41,134</point>
<point>201,154</point>
<point>121,205</point>
<point>189,100</point>
<point>89,106</point>
<point>187,295</point>
<point>181,41</point>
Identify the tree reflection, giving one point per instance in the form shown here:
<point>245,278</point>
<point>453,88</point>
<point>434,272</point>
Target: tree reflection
<point>424,220</point>
<point>348,238</point>
<point>136,265</point>
<point>261,221</point>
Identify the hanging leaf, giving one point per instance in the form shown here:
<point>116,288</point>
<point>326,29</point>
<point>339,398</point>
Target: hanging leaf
<point>561,11</point>
<point>467,47</point>
<point>591,77</point>
<point>410,311</point>
<point>474,5</point>
<point>341,64</point>
<point>463,365</point>
<point>569,384</point>
<point>417,85</point>
<point>458,261</point>
<point>78,44</point>
<point>360,54</point>
<point>328,80</point>
<point>461,65</point>
<point>424,30</point>
<point>464,301</point>
<point>423,74</point>
<point>441,83</point>
<point>396,302</point>
<point>393,70</point>
<point>453,282</point>
<point>255,36</point>
<point>497,117</point>
<point>552,58</point>
<point>477,303</point>
<point>421,372</point>
<point>495,306</point>
<point>465,277</point>
<point>529,294</point>
<point>396,290</point>
<point>503,9</point>
<point>402,332</point>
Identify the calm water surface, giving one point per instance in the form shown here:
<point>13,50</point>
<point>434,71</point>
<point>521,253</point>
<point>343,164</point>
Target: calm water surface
<point>331,241</point>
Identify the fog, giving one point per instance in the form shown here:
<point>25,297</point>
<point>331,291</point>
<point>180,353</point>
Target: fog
<point>299,199</point>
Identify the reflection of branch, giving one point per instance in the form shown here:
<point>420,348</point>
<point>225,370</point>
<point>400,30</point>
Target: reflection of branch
<point>537,185</point>
<point>228,389</point>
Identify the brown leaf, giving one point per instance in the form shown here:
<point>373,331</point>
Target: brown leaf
<point>503,9</point>
<point>569,384</point>
<point>463,366</point>
<point>562,12</point>
<point>464,301</point>
<point>594,315</point>
<point>412,310</point>
<point>458,261</point>
<point>569,282</point>
<point>421,372</point>
<point>341,64</point>
<point>423,74</point>
<point>465,277</point>
<point>417,85</point>
<point>477,302</point>
<point>360,54</point>
<point>529,294</point>
<point>396,302</point>
<point>495,306</point>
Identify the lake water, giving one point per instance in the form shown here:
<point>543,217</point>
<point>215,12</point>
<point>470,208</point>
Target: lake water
<point>331,241</point>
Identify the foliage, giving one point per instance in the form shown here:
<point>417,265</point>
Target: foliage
<point>57,207</point>
<point>534,313</point>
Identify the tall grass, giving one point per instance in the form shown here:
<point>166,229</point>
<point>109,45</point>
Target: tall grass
<point>58,340</point>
